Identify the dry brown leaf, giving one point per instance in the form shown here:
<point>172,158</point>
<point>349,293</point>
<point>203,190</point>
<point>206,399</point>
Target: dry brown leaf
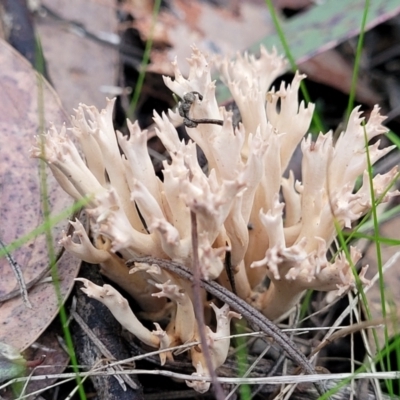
<point>55,361</point>
<point>79,66</point>
<point>226,30</point>
<point>212,29</point>
<point>21,108</point>
<point>332,69</point>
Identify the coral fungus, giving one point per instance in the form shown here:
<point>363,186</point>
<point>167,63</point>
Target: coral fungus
<point>275,229</point>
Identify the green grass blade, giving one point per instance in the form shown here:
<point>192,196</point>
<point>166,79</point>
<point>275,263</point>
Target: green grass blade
<point>48,227</point>
<point>356,68</point>
<point>144,63</point>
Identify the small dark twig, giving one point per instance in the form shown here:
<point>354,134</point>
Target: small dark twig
<point>184,109</point>
<point>23,289</point>
<point>247,311</point>
<point>37,362</point>
<point>229,270</point>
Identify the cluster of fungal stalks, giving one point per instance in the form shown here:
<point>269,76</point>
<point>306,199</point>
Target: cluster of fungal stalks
<point>274,229</point>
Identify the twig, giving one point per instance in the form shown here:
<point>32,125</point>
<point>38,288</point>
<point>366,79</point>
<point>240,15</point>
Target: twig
<point>103,349</point>
<point>248,371</point>
<point>276,380</point>
<point>14,293</point>
<point>247,311</point>
<point>354,328</point>
<point>184,108</point>
<point>229,270</point>
<point>23,290</point>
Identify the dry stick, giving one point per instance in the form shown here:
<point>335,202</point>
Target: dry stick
<point>37,279</point>
<point>23,289</point>
<point>102,348</point>
<point>287,390</point>
<point>247,311</point>
<point>229,270</point>
<point>198,309</point>
<point>16,292</point>
<point>184,108</point>
<point>354,328</point>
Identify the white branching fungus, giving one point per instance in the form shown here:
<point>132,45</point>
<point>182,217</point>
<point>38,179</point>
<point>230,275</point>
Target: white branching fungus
<point>273,227</point>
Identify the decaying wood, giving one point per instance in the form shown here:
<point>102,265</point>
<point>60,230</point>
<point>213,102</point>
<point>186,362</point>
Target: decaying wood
<point>108,331</point>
